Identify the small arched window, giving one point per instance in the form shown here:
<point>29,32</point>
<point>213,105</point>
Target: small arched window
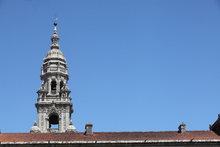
<point>53,87</point>
<point>61,85</point>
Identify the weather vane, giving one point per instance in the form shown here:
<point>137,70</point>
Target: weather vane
<point>55,19</point>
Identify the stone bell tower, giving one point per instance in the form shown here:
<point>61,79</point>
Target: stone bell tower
<point>54,105</point>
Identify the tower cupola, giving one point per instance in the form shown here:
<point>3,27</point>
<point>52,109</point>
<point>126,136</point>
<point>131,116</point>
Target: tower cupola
<point>55,38</point>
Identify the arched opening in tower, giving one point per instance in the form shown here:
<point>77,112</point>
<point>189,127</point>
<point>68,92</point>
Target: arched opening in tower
<point>61,85</point>
<point>53,87</point>
<point>54,122</point>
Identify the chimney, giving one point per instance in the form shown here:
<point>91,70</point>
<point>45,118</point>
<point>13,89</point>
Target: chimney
<point>182,128</point>
<point>88,128</point>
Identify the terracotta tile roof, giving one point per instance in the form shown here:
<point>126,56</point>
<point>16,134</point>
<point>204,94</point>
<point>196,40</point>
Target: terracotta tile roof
<point>109,136</point>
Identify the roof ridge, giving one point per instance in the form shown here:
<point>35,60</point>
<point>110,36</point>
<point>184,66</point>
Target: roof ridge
<point>114,132</point>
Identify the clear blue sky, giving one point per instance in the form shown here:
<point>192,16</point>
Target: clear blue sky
<point>134,65</point>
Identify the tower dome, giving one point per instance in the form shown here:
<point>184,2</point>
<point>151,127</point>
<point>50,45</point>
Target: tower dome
<point>71,127</point>
<point>54,61</point>
<point>35,128</point>
<point>54,54</point>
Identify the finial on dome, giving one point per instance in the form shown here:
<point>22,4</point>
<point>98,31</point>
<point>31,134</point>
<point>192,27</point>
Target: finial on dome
<point>55,27</point>
<point>55,37</point>
<point>71,123</point>
<point>35,123</point>
<point>55,24</point>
